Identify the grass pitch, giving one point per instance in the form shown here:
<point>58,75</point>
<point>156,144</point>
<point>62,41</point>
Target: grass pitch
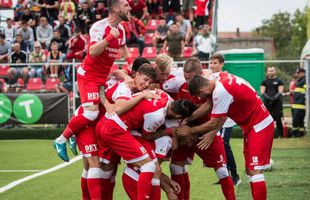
<point>290,178</point>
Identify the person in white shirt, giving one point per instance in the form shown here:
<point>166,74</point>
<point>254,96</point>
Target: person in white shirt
<point>203,42</point>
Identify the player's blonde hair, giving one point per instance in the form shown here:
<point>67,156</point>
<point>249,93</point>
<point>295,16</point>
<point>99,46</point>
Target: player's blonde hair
<point>163,61</point>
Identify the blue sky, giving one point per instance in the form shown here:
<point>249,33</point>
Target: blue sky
<point>248,14</point>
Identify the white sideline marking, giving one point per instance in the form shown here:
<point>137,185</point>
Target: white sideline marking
<point>20,170</point>
<point>27,178</point>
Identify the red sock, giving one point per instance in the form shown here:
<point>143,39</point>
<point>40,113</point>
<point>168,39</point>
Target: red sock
<point>228,188</point>
<point>112,186</point>
<point>259,190</point>
<point>95,183</point>
<point>130,186</point>
<point>187,186</point>
<point>106,189</point>
<point>144,185</point>
<point>155,194</point>
<point>84,187</point>
<point>180,180</point>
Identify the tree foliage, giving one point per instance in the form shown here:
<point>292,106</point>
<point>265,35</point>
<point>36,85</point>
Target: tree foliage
<point>289,33</point>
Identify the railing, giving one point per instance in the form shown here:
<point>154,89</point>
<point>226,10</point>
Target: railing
<point>285,69</point>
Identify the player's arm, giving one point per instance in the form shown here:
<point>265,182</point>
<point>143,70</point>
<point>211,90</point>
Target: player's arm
<point>124,105</point>
<point>108,106</point>
<point>160,132</point>
<point>170,187</point>
<point>202,111</point>
<point>98,47</point>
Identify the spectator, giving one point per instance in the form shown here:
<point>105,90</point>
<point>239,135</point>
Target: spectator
<point>65,32</point>
<point>84,18</point>
<point>203,42</point>
<point>18,10</point>
<point>9,31</point>
<point>201,12</point>
<point>49,9</point>
<point>29,17</point>
<point>299,105</point>
<point>5,49</point>
<point>66,85</point>
<point>19,56</point>
<point>271,89</point>
<point>23,44</point>
<point>67,10</point>
<point>61,43</point>
<point>185,27</point>
<point>153,7</point>
<point>77,46</point>
<point>135,30</point>
<point>138,9</point>
<point>174,42</point>
<point>27,35</point>
<point>54,57</point>
<point>100,11</point>
<point>161,32</point>
<point>171,6</point>
<point>44,32</point>
<point>37,56</point>
<point>188,8</point>
<point>11,82</point>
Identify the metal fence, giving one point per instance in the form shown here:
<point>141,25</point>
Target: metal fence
<point>284,68</point>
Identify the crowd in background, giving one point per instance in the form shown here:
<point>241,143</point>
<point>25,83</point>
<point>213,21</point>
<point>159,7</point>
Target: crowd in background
<point>52,31</point>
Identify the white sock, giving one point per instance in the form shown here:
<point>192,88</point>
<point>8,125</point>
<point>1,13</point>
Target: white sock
<point>61,139</point>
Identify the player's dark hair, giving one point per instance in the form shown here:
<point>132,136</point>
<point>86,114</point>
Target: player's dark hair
<point>138,62</point>
<point>183,107</point>
<point>218,56</point>
<point>148,70</point>
<point>195,84</point>
<point>192,65</point>
<point>2,35</point>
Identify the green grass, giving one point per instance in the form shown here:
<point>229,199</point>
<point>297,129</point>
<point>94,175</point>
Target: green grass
<point>290,178</point>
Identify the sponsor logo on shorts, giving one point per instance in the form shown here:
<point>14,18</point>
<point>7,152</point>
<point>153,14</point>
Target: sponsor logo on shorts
<point>90,148</point>
<point>254,160</point>
<point>93,96</point>
<point>142,149</point>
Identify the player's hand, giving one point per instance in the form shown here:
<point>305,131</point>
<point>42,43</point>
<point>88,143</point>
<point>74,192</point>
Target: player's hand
<point>110,108</point>
<point>175,186</point>
<point>206,140</point>
<point>183,130</point>
<point>114,32</point>
<point>150,95</point>
<point>185,121</point>
<point>171,196</point>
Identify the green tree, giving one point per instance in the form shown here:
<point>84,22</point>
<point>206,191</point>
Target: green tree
<point>288,31</point>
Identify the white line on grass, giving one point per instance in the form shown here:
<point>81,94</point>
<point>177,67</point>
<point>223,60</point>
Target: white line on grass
<point>27,178</point>
<point>20,170</point>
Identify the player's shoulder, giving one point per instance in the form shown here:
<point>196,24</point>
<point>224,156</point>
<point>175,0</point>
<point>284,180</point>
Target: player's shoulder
<point>121,27</point>
<point>101,24</point>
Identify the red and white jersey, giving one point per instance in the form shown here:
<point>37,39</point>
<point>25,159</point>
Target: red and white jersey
<point>100,65</point>
<point>117,90</point>
<point>236,98</point>
<point>176,84</point>
<point>148,115</point>
<point>202,7</point>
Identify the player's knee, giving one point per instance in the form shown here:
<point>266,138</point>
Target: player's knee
<point>90,115</point>
<point>148,167</point>
<point>222,172</point>
<point>177,169</point>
